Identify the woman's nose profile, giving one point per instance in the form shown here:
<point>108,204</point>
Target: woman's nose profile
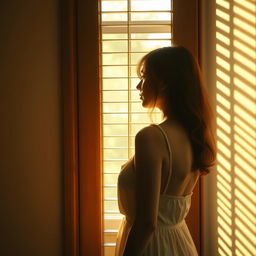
<point>138,87</point>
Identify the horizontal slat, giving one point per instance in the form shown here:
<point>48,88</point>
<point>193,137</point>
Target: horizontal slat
<point>133,29</point>
<point>112,223</point>
<point>111,211</point>
<point>136,29</point>
<point>118,65</point>
<point>113,147</point>
<point>123,135</point>
<point>116,123</point>
<point>110,230</point>
<point>110,199</point>
<point>114,217</point>
<point>110,237</point>
<point>117,5</point>
<point>110,186</point>
<point>121,90</point>
<point>115,159</point>
<point>117,172</point>
<point>116,77</point>
<point>109,244</point>
<point>124,101</point>
<point>126,52</point>
<point>139,39</point>
<point>109,250</point>
<point>125,112</point>
<point>155,11</point>
<point>120,77</point>
<point>135,23</point>
<point>110,53</point>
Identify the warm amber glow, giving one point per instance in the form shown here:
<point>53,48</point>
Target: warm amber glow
<point>129,29</point>
<point>249,76</point>
<point>222,14</point>
<point>249,52</point>
<point>244,37</point>
<point>223,101</point>
<point>245,214</point>
<point>236,126</point>
<point>222,26</point>
<point>224,173</point>
<point>223,3</point>
<point>223,76</point>
<point>223,125</point>
<point>249,28</point>
<point>223,249</point>
<point>246,128</point>
<point>223,113</point>
<point>249,64</point>
<point>223,50</point>
<point>226,237</point>
<point>223,38</point>
<point>222,136</point>
<point>224,64</point>
<point>224,149</point>
<point>247,117</point>
<point>240,138</point>
<point>224,89</point>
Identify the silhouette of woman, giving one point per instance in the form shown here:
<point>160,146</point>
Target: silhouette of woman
<point>155,185</point>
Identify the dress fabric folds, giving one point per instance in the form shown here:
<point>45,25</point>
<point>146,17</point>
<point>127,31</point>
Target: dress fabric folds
<point>172,236</point>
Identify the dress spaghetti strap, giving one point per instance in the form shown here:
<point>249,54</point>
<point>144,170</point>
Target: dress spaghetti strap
<point>170,158</point>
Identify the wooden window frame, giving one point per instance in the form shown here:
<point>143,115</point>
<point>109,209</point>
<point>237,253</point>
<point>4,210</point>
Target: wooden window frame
<point>82,122</point>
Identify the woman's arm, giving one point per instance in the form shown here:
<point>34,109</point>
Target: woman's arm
<point>139,237</point>
<point>148,164</point>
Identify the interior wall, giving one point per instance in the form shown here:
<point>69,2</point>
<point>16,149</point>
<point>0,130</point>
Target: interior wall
<point>209,181</point>
<point>229,65</point>
<point>31,171</point>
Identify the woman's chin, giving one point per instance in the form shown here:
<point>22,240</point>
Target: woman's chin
<point>144,103</point>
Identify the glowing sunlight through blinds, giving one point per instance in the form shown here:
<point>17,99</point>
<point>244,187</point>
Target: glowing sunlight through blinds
<point>236,126</point>
<point>129,29</point>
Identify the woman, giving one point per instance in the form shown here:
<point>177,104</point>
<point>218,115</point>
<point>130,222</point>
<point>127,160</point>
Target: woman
<point>155,186</point>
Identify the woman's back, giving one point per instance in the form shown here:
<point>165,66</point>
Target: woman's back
<point>182,180</point>
<point>171,236</point>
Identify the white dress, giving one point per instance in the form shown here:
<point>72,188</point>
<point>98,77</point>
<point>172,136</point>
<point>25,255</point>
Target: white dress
<point>172,236</point>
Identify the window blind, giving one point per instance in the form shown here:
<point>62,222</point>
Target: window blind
<point>129,29</point>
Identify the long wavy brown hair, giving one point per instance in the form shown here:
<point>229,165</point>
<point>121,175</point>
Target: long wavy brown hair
<point>187,99</point>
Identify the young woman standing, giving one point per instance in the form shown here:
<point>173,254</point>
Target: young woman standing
<point>155,186</point>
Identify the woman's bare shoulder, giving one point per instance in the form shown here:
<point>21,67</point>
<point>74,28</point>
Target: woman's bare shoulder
<point>149,130</point>
<point>150,133</point>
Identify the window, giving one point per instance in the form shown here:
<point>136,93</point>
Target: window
<point>129,29</point>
